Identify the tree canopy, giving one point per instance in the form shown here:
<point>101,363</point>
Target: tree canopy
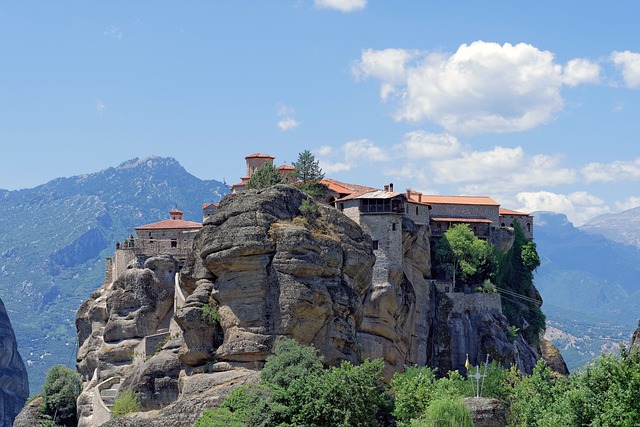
<point>60,390</point>
<point>266,176</point>
<point>307,167</point>
<point>460,253</point>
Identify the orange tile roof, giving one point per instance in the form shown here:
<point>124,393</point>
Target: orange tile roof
<point>474,220</point>
<point>286,167</point>
<point>206,205</point>
<point>171,224</point>
<point>459,200</point>
<point>503,211</point>
<point>376,194</point>
<point>416,197</point>
<point>345,188</point>
<point>259,156</point>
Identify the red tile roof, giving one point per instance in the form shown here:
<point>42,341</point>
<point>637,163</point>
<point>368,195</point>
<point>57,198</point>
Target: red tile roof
<point>286,167</point>
<point>259,156</point>
<point>171,224</point>
<point>377,194</point>
<point>345,188</point>
<point>459,200</point>
<point>503,211</point>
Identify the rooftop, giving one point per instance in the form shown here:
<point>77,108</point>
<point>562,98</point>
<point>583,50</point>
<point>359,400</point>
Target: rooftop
<point>459,200</point>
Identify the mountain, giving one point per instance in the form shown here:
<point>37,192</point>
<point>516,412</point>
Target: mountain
<point>590,286</point>
<point>622,227</point>
<point>54,239</point>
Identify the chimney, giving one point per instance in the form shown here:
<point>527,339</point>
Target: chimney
<point>419,197</point>
<point>386,188</point>
<point>391,187</point>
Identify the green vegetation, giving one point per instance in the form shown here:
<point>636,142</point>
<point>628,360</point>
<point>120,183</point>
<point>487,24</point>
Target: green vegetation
<point>462,255</point>
<point>60,390</point>
<point>266,176</point>
<point>296,391</point>
<point>514,276</point>
<point>210,315</point>
<point>126,403</point>
<point>309,211</point>
<point>307,167</point>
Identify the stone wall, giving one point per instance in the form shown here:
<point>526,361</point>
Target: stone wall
<point>478,301</point>
<point>421,216</point>
<point>465,211</point>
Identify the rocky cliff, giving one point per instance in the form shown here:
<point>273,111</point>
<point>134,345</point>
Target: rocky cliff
<point>262,271</point>
<point>14,384</point>
<point>635,339</point>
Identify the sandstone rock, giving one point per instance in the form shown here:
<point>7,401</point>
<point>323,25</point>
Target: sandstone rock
<point>486,412</point>
<point>553,358</point>
<point>155,381</point>
<point>14,384</point>
<point>635,339</point>
<point>30,416</point>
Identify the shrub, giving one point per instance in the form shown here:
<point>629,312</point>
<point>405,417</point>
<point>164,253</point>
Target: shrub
<point>60,390</point>
<point>445,412</point>
<point>126,403</point>
<point>221,417</point>
<point>289,362</point>
<point>210,315</point>
<point>309,211</point>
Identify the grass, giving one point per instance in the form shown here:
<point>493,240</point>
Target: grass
<point>126,403</point>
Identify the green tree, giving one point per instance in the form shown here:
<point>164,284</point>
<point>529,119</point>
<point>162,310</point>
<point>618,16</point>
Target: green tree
<point>307,167</point>
<point>266,176</point>
<point>60,390</point>
<point>289,362</point>
<point>460,253</point>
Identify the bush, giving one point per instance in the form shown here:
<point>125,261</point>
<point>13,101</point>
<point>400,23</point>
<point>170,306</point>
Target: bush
<point>445,412</point>
<point>289,362</point>
<point>221,417</point>
<point>309,211</point>
<point>210,315</point>
<point>60,390</point>
<point>126,403</point>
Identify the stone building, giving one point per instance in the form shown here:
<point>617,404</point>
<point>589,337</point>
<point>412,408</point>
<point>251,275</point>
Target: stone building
<point>508,217</point>
<point>254,162</point>
<point>173,236</point>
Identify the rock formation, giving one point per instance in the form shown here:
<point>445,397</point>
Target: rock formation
<point>635,339</point>
<point>262,271</point>
<point>14,385</point>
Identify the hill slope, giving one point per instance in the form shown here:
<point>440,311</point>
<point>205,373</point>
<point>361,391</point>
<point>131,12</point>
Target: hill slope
<point>590,288</point>
<point>54,239</point>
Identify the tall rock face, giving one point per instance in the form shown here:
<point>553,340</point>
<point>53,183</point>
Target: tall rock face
<point>635,339</point>
<point>262,271</point>
<point>14,384</point>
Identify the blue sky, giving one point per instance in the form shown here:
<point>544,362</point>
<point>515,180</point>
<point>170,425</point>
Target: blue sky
<point>533,103</point>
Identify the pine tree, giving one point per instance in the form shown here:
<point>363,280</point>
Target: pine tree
<point>307,167</point>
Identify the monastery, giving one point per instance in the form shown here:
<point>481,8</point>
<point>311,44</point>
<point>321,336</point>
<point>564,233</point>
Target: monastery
<point>378,211</point>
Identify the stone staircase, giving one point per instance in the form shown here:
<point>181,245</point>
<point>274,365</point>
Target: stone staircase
<point>109,395</point>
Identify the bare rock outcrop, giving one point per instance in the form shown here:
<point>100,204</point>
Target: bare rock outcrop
<point>553,358</point>
<point>270,274</point>
<point>14,384</point>
<point>635,339</point>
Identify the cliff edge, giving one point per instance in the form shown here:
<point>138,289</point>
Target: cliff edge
<point>14,384</point>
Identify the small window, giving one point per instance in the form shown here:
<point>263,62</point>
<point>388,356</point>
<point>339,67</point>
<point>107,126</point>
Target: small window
<point>174,243</point>
<point>341,205</point>
<point>374,245</point>
<point>416,210</point>
<point>393,226</point>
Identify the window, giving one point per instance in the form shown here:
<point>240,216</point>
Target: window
<point>393,226</point>
<point>341,206</point>
<point>374,245</point>
<point>529,227</point>
<point>174,243</point>
<point>416,210</point>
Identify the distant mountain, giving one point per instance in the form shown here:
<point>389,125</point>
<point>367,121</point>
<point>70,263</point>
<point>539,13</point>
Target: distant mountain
<point>623,227</point>
<point>54,239</point>
<point>590,286</point>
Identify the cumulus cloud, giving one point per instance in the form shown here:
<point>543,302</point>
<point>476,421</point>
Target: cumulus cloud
<point>579,206</point>
<point>629,64</point>
<point>425,145</point>
<point>482,87</point>
<point>341,5</point>
<point>287,121</point>
<point>612,172</point>
<point>350,155</point>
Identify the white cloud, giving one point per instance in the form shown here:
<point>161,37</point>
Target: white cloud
<point>424,145</point>
<point>579,207</point>
<point>113,32</point>
<point>328,167</point>
<point>579,71</point>
<point>341,5</point>
<point>324,150</point>
<point>100,107</point>
<point>629,64</point>
<point>630,203</point>
<point>482,87</point>
<point>612,172</point>
<point>287,121</point>
<point>363,149</point>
